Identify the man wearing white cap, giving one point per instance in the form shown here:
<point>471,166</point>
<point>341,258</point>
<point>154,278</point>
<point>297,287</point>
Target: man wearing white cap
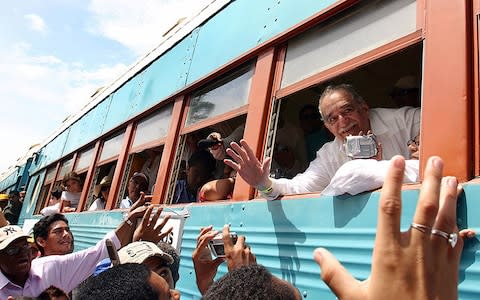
<point>149,254</point>
<point>22,276</point>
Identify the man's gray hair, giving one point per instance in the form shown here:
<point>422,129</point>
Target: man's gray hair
<point>348,88</point>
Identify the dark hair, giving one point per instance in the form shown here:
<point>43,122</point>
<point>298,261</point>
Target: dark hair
<point>203,159</point>
<point>57,192</point>
<point>347,88</point>
<point>14,193</point>
<point>140,179</point>
<point>167,248</point>
<point>125,281</point>
<point>51,292</point>
<point>307,107</point>
<point>40,229</point>
<point>248,282</point>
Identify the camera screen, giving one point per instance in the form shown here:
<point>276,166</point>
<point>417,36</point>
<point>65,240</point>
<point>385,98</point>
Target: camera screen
<point>219,249</point>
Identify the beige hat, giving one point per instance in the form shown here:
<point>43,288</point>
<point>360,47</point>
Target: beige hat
<point>9,234</point>
<point>106,181</point>
<point>138,252</point>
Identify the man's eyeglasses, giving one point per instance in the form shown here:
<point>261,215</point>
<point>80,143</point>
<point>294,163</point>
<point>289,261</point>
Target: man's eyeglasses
<point>14,250</point>
<point>331,119</point>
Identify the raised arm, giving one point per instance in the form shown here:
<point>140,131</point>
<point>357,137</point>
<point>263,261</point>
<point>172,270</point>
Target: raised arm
<point>421,263</point>
<point>254,172</point>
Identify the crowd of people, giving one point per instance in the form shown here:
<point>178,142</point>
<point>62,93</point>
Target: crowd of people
<point>421,263</point>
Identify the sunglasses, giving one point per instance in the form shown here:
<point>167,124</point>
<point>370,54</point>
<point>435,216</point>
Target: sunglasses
<point>14,250</point>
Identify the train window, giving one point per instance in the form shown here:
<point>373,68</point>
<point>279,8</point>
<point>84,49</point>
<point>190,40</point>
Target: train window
<point>100,188</point>
<point>199,173</point>
<point>223,96</point>
<point>43,196</point>
<point>153,127</point>
<point>50,174</point>
<point>372,24</point>
<point>65,168</point>
<point>111,147</point>
<point>299,125</point>
<point>84,160</point>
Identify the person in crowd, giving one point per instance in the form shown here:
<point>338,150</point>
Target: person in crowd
<point>20,275</point>
<point>315,132</point>
<point>52,235</point>
<point>414,147</point>
<point>251,282</point>
<point>241,263</point>
<point>102,191</point>
<point>138,183</point>
<point>53,203</point>
<point>150,166</point>
<point>405,92</point>
<point>421,263</point>
<point>127,281</point>
<point>53,293</point>
<point>175,265</point>
<point>147,253</point>
<point>73,190</point>
<point>344,113</point>
<point>200,168</point>
<point>289,154</point>
<point>14,207</point>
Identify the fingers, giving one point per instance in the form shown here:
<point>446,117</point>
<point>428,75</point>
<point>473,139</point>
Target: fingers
<point>146,217</point>
<point>447,213</point>
<point>162,235</point>
<point>388,228</point>
<point>334,274</point>
<point>428,202</point>
<point>139,202</point>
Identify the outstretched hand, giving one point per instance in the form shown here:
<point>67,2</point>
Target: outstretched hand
<point>418,264</point>
<point>149,230</point>
<point>205,266</point>
<point>244,161</point>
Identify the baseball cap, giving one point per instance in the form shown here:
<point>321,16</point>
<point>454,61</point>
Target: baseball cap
<point>138,252</point>
<point>10,233</point>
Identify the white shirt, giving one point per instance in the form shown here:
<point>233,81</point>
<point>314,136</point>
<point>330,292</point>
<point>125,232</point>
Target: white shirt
<point>63,271</point>
<point>393,128</point>
<point>74,198</point>
<point>98,204</point>
<point>126,203</point>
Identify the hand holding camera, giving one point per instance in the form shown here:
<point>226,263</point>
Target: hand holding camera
<point>363,146</point>
<point>237,253</point>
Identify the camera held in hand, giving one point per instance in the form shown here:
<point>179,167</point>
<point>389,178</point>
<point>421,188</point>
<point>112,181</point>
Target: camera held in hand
<point>361,146</point>
<point>216,246</point>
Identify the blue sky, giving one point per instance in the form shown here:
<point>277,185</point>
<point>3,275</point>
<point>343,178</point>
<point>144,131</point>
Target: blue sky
<point>54,54</point>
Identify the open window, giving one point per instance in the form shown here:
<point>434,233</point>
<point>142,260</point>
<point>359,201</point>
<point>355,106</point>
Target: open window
<point>147,148</point>
<point>105,166</point>
<point>44,197</point>
<point>217,113</point>
<point>374,46</point>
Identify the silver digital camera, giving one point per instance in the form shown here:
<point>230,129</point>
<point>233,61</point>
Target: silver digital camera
<point>216,245</point>
<point>361,146</point>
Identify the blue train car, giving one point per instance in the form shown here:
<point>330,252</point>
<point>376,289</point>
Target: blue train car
<point>256,64</point>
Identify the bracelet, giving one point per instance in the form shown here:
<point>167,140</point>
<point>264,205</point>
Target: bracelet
<point>130,223</point>
<point>267,190</point>
<point>127,220</point>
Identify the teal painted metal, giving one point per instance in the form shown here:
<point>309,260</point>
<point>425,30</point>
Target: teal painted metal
<point>30,199</point>
<point>243,25</point>
<point>88,127</point>
<point>283,235</point>
<point>168,74</point>
<point>51,152</point>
